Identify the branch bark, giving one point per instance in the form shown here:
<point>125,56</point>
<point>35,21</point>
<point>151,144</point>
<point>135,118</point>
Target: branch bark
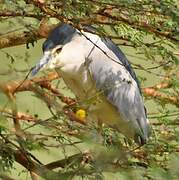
<point>21,14</point>
<point>19,115</point>
<point>164,98</point>
<point>15,39</point>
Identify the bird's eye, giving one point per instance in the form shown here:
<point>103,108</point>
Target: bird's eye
<point>58,50</point>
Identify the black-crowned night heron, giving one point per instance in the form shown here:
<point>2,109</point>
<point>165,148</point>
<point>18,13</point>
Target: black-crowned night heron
<point>100,76</point>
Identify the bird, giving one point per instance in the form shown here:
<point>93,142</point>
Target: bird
<point>100,76</point>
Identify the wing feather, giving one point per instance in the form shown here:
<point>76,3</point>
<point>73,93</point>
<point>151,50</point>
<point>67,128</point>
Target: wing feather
<point>119,84</point>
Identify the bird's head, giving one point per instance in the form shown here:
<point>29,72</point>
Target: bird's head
<point>53,47</point>
<point>50,60</point>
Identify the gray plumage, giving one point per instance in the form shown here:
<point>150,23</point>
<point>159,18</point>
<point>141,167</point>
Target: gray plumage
<point>112,88</point>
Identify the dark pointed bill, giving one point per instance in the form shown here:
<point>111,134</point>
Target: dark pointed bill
<point>43,61</point>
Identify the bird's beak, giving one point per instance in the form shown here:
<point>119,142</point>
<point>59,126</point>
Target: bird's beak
<point>42,64</point>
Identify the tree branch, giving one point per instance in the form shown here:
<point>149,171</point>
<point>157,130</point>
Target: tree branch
<point>19,115</point>
<point>28,85</point>
<point>21,14</point>
<point>5,177</point>
<point>104,17</point>
<point>15,39</point>
<point>164,98</point>
<point>11,88</point>
<point>62,163</point>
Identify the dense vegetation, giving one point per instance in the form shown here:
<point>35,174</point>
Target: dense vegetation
<point>38,126</point>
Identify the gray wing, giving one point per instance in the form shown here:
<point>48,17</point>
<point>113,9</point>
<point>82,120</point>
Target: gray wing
<point>117,51</point>
<point>122,58</point>
<point>119,84</point>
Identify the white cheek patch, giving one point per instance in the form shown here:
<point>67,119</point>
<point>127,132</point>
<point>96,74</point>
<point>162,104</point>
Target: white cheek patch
<point>54,63</point>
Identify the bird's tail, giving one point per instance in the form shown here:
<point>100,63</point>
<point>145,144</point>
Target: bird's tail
<point>142,136</point>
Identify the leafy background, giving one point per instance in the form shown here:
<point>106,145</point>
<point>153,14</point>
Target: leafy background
<point>147,32</point>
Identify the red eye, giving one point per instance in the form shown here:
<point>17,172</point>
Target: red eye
<point>58,50</point>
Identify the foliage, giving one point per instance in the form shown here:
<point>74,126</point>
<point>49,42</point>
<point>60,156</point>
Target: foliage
<point>150,29</point>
